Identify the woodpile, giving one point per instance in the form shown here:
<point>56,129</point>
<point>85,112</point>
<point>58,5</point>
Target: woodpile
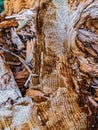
<point>48,59</point>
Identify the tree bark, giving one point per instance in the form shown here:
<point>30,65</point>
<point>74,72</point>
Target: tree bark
<point>65,60</point>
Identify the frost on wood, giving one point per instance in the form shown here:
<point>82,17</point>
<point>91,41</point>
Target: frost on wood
<point>8,87</point>
<point>56,59</point>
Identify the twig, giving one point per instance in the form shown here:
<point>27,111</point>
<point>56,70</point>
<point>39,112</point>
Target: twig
<point>22,60</point>
<point>24,63</point>
<point>93,102</point>
<point>23,23</point>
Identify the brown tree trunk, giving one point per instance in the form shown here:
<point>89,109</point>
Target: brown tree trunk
<point>64,57</point>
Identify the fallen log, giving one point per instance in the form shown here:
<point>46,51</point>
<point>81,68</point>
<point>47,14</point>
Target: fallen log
<point>64,56</point>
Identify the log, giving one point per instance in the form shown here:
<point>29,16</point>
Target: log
<point>65,59</point>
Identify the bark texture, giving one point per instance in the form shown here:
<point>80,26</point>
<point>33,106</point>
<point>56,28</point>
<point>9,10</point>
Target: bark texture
<point>62,49</point>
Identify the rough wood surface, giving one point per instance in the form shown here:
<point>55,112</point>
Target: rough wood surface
<point>59,65</point>
<point>8,87</point>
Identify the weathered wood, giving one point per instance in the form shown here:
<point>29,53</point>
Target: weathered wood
<point>9,23</point>
<point>64,56</point>
<point>8,86</point>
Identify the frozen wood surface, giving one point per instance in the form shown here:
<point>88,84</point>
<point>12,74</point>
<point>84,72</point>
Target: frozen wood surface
<point>50,64</point>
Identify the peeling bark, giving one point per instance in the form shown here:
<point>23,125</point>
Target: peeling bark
<point>8,87</point>
<point>64,56</point>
